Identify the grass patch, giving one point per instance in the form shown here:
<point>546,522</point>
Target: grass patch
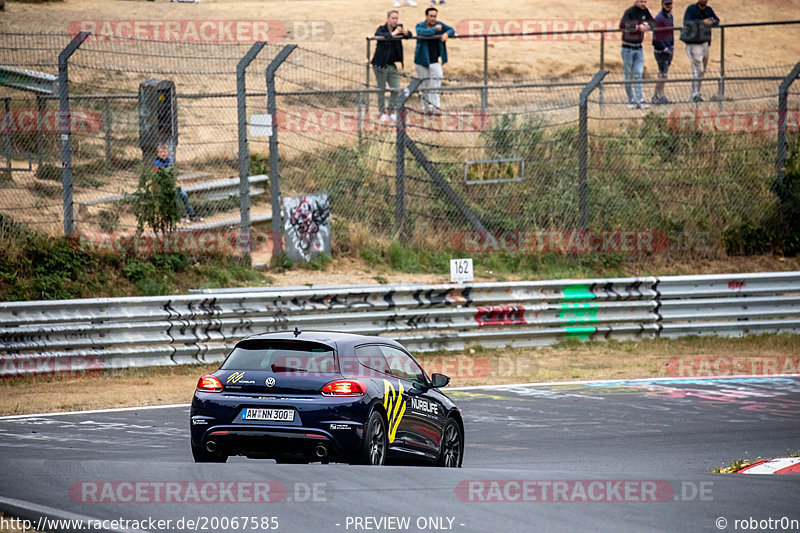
<point>35,267</point>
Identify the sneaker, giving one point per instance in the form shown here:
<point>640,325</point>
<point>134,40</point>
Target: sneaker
<point>433,2</point>
<point>196,218</point>
<point>393,117</point>
<point>665,100</point>
<point>384,118</point>
<point>442,3</point>
<point>656,100</point>
<point>396,3</point>
<point>411,3</point>
<point>642,105</point>
<point>697,98</point>
<point>632,105</point>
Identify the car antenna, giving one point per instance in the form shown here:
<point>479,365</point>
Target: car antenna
<point>296,331</point>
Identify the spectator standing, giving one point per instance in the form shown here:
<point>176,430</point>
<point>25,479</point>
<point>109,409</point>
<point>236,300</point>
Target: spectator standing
<point>697,23</point>
<point>388,51</point>
<point>427,55</point>
<point>663,49</point>
<point>163,161</point>
<point>635,21</point>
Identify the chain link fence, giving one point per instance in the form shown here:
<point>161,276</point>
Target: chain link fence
<point>513,161</point>
<point>110,147</point>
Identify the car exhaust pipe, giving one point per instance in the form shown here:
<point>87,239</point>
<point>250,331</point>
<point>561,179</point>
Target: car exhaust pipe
<point>211,446</point>
<point>321,451</point>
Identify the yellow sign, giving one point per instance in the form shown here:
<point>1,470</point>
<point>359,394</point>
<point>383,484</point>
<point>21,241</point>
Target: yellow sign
<point>233,378</point>
<point>395,406</point>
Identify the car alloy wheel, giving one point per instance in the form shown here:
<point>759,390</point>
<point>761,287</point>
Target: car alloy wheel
<point>452,446</point>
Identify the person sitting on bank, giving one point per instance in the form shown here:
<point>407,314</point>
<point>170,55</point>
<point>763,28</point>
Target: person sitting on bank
<point>163,161</point>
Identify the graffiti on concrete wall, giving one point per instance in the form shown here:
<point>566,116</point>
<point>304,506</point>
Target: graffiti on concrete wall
<point>307,226</point>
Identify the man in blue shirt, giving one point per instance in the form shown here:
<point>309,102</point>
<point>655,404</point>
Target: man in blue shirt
<point>663,49</point>
<point>426,58</point>
<point>697,23</point>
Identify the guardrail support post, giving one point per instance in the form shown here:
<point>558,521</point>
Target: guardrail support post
<point>274,167</point>
<point>244,149</point>
<point>400,156</point>
<point>107,129</point>
<point>583,149</point>
<point>783,104</point>
<point>64,128</point>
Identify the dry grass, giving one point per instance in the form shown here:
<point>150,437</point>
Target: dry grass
<point>568,361</point>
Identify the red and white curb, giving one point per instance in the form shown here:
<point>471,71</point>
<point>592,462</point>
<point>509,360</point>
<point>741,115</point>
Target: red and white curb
<point>783,465</point>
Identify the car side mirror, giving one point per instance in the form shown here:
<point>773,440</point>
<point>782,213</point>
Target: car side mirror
<point>439,380</point>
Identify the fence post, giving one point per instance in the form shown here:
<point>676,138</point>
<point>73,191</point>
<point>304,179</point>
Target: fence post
<point>783,104</point>
<point>40,107</point>
<point>244,149</point>
<point>274,167</point>
<point>583,149</point>
<point>64,128</point>
<point>721,83</point>
<point>7,108</point>
<point>485,92</point>
<point>400,156</point>
<point>602,62</point>
<point>107,128</point>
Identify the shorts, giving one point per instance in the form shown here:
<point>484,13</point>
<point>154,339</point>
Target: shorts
<point>663,59</point>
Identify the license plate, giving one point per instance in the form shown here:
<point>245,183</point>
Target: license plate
<point>281,415</point>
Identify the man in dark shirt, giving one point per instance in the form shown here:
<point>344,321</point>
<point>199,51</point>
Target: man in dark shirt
<point>697,23</point>
<point>663,49</point>
<point>426,58</point>
<point>388,51</point>
<point>634,22</point>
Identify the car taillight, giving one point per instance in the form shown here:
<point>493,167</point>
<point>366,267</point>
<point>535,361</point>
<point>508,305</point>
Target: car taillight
<point>343,388</point>
<point>209,384</point>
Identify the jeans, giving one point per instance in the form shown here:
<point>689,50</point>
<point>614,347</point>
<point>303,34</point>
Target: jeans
<point>183,198</point>
<point>698,57</point>
<point>633,63</point>
<point>431,79</point>
<point>382,75</point>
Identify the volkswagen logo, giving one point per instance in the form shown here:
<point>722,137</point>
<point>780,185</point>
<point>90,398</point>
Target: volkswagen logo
<point>270,382</point>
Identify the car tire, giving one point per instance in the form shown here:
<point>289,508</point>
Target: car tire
<point>375,445</point>
<point>452,450</point>
<point>201,455</point>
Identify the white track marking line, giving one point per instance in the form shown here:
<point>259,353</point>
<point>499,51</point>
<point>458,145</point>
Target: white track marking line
<point>92,411</point>
<point>473,387</point>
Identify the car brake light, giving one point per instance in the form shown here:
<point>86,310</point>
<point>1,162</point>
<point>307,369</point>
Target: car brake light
<point>343,388</point>
<point>209,384</point>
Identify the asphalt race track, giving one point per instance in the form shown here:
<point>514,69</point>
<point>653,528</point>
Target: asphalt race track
<point>622,456</point>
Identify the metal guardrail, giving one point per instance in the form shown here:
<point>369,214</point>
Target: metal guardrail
<point>203,326</point>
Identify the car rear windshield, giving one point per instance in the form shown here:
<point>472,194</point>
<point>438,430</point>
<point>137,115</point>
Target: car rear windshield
<point>281,356</point>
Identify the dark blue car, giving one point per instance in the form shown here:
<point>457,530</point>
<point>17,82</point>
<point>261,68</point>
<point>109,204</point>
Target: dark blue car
<point>323,396</point>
